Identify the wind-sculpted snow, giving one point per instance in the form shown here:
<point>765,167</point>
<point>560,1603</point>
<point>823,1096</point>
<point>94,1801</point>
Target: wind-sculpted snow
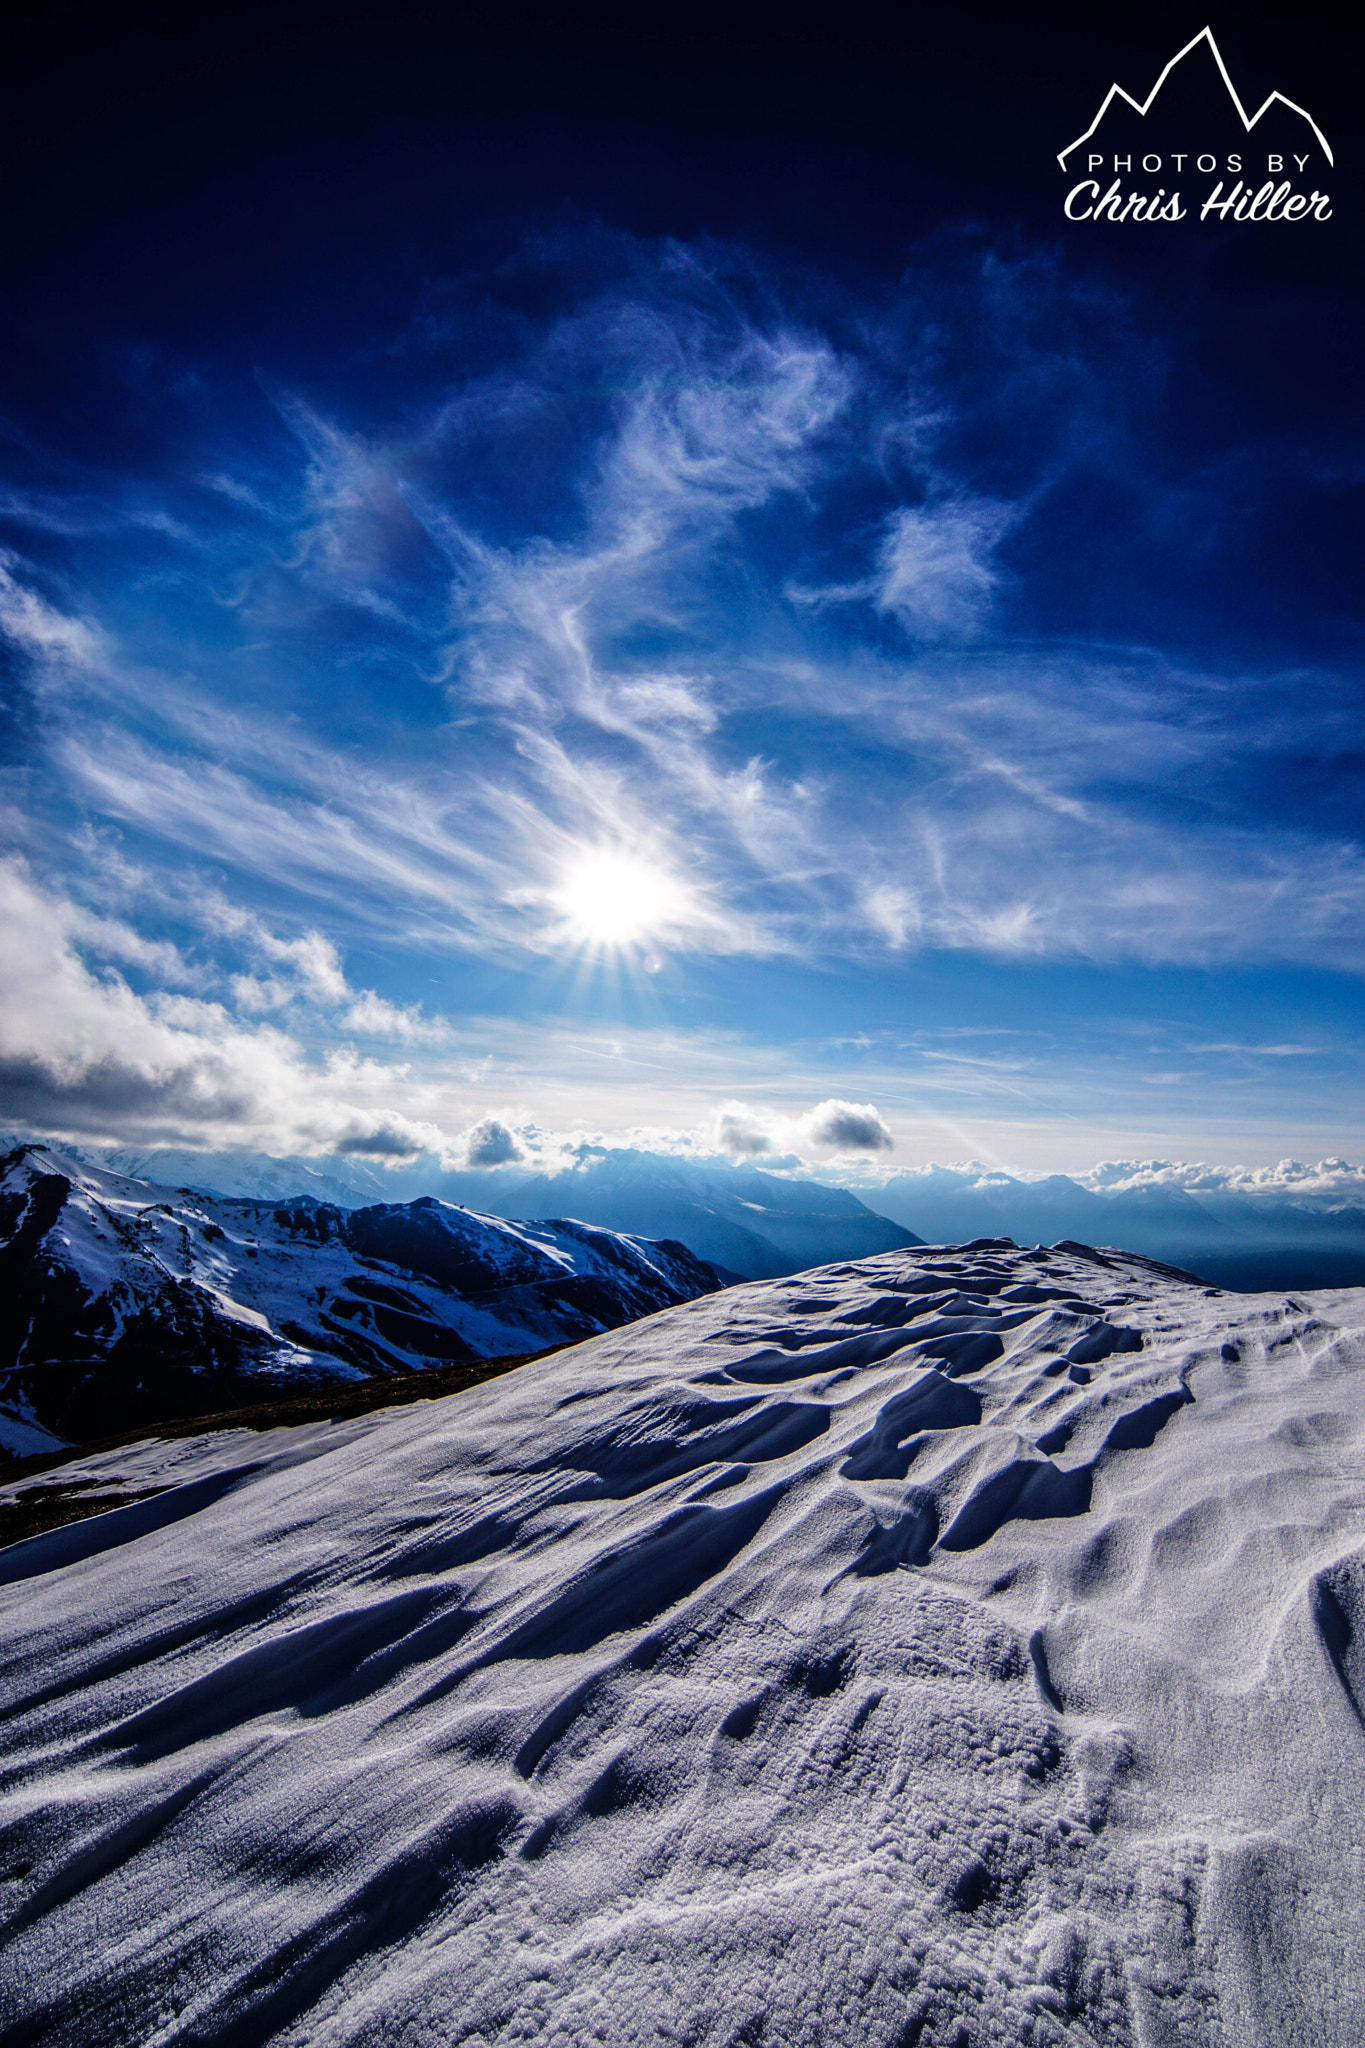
<point>122,1303</point>
<point>958,1647</point>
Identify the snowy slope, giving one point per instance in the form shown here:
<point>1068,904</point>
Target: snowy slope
<point>962,1647</point>
<point>756,1224</point>
<point>123,1302</point>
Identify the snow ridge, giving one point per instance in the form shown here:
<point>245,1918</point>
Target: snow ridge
<point>958,1646</point>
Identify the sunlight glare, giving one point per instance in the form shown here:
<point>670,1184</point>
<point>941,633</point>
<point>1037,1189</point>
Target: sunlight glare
<point>615,899</point>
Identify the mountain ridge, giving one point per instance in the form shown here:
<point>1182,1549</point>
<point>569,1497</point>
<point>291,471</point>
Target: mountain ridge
<point>961,1639</point>
<point>1236,1239</point>
<point>754,1225</point>
<point>1294,1226</point>
<point>124,1301</point>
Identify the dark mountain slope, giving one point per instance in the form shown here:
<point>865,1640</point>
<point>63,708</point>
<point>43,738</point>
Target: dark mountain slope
<point>122,1302</point>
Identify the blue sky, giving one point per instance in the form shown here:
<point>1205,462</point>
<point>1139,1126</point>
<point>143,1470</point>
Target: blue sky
<point>495,626</point>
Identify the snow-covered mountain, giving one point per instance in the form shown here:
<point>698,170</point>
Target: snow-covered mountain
<point>962,1203</point>
<point>257,1176</point>
<point>960,1647</point>
<point>254,1176</point>
<point>124,1302</point>
<point>759,1225</point>
<point>751,1223</point>
<point>1289,1226</point>
<point>1238,1236</point>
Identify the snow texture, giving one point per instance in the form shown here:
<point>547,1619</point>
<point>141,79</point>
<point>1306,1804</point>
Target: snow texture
<point>959,1647</point>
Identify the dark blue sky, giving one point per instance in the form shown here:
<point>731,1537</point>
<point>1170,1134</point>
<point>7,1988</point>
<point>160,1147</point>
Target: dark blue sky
<point>578,576</point>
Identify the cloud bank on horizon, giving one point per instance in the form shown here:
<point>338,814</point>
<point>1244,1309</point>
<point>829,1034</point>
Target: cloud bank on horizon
<point>651,678</point>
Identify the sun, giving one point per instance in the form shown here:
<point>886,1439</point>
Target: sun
<point>612,898</point>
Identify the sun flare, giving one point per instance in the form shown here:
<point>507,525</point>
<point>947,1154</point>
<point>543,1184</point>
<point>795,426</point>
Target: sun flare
<point>618,899</point>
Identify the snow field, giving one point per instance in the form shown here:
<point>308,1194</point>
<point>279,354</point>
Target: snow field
<point>958,1647</point>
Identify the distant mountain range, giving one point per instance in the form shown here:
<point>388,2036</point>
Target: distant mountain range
<point>754,1225</point>
<point>123,1302</point>
<point>757,1225</point>
<point>1228,1236</point>
<point>255,1176</point>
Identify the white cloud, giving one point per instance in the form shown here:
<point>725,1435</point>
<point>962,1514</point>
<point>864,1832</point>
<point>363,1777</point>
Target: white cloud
<point>312,960</point>
<point>1331,1182</point>
<point>370,1016</point>
<point>831,1126</point>
<point>255,996</point>
<point>894,912</point>
<point>935,571</point>
<point>57,640</point>
<point>84,1056</point>
<point>837,1126</point>
<point>490,1142</point>
<point>110,938</point>
<point>229,487</point>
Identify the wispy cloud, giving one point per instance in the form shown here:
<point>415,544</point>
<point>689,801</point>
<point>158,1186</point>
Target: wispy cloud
<point>54,639</point>
<point>724,583</point>
<point>1008,845</point>
<point>936,572</point>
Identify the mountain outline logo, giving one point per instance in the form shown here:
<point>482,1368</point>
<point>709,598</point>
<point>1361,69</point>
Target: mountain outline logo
<point>1248,121</point>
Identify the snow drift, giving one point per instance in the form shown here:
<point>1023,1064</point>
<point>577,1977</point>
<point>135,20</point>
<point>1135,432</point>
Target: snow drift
<point>959,1647</point>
